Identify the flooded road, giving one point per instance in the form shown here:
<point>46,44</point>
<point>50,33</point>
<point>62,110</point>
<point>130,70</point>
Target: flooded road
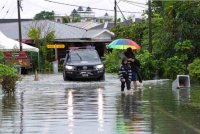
<point>52,106</point>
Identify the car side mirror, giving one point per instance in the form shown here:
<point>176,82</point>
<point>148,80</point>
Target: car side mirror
<point>62,59</point>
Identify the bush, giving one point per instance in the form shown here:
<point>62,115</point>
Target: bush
<point>8,78</point>
<point>148,63</point>
<point>174,66</point>
<point>194,69</point>
<point>148,67</point>
<point>113,61</point>
<point>1,57</point>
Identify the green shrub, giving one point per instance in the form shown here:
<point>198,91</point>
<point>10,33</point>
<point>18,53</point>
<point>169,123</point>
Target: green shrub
<point>148,63</point>
<point>148,67</point>
<point>8,78</point>
<point>174,66</point>
<point>113,61</point>
<point>194,69</point>
<point>1,57</point>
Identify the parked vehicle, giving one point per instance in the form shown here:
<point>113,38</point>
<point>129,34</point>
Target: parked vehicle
<point>18,59</point>
<point>83,63</point>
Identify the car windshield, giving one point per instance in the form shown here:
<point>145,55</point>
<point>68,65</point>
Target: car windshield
<point>84,55</point>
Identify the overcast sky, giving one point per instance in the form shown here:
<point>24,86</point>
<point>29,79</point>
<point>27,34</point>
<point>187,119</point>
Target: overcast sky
<point>8,8</point>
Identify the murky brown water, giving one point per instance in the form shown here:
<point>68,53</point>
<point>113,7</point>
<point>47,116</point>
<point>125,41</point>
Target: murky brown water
<point>52,106</point>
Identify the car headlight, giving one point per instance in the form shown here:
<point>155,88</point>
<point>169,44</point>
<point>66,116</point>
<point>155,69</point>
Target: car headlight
<point>99,67</point>
<point>69,67</point>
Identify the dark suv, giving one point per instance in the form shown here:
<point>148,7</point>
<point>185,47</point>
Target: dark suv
<point>83,63</point>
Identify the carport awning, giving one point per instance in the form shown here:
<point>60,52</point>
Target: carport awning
<point>83,40</point>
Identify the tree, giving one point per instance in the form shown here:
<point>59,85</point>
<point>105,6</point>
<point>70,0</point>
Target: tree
<point>66,20</point>
<point>42,34</point>
<point>175,35</point>
<point>45,15</point>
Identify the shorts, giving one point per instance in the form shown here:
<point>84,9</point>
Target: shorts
<point>134,76</point>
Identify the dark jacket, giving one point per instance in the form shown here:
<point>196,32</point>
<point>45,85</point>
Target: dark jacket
<point>125,72</point>
<point>135,66</point>
<point>129,55</point>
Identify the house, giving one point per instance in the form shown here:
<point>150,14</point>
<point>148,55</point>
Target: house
<point>88,15</point>
<point>66,34</point>
<point>105,18</point>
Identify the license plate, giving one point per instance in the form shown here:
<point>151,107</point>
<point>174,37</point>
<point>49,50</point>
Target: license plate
<point>85,75</point>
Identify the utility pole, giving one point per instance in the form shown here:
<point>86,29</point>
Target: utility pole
<point>19,24</point>
<point>123,15</point>
<point>115,12</point>
<point>150,27</point>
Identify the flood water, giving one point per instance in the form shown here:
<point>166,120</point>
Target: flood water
<point>52,106</point>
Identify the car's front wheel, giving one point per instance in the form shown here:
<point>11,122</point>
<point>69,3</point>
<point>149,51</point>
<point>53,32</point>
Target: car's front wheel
<point>64,76</point>
<point>102,78</point>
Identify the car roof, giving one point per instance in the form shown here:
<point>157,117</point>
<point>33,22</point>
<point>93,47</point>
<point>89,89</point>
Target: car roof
<point>82,48</point>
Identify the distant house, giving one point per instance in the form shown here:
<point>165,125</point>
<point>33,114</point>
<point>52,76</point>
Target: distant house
<point>66,34</point>
<point>105,18</point>
<point>88,15</point>
<point>59,18</point>
<point>85,15</point>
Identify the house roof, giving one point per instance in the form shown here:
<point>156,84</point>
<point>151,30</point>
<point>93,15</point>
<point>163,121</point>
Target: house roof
<point>109,25</point>
<point>84,25</point>
<point>13,20</point>
<point>62,31</point>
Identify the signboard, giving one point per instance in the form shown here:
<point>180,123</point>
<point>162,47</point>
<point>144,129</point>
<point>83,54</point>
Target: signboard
<point>17,58</point>
<point>56,46</point>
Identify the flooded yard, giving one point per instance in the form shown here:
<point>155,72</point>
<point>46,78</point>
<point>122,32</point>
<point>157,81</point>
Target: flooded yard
<point>54,106</point>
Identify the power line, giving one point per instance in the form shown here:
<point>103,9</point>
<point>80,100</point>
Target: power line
<point>13,12</point>
<point>9,10</point>
<point>135,2</point>
<point>132,3</point>
<point>43,7</point>
<point>122,14</point>
<point>3,6</point>
<point>86,7</point>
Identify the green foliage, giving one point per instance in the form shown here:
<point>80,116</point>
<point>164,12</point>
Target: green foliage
<point>45,15</point>
<point>35,33</point>
<point>182,46</point>
<point>113,61</point>
<point>41,39</point>
<point>8,78</point>
<point>175,38</point>
<point>118,19</point>
<point>194,69</point>
<point>149,66</point>
<point>173,66</point>
<point>183,51</point>
<point>134,31</point>
<point>7,71</point>
<point>1,57</point>
<point>66,20</point>
<point>76,19</point>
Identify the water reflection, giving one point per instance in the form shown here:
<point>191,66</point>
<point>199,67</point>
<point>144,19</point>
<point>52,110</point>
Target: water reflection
<point>41,107</point>
<point>70,111</point>
<point>8,113</point>
<point>182,95</point>
<point>21,112</point>
<point>100,110</point>
<point>8,105</point>
<point>85,104</point>
<point>130,117</point>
